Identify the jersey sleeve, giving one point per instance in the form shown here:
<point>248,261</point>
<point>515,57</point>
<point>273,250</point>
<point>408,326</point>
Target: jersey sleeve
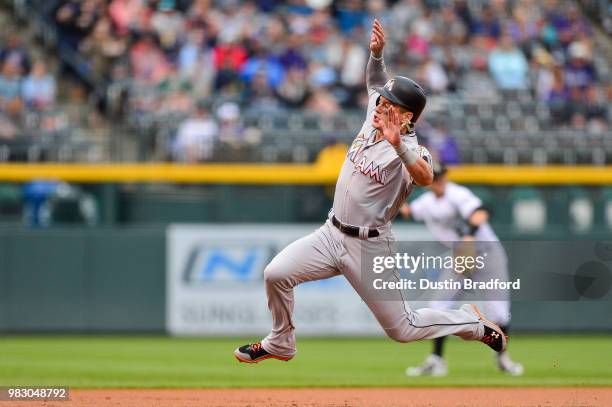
<point>465,201</point>
<point>417,208</point>
<point>372,98</point>
<point>425,155</point>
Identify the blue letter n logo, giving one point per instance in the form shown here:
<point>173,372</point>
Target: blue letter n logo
<point>224,265</point>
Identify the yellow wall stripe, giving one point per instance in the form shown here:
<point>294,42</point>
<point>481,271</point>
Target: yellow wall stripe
<point>314,174</point>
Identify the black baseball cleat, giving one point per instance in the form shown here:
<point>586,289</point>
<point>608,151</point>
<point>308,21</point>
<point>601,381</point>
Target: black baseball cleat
<point>493,336</point>
<point>255,353</point>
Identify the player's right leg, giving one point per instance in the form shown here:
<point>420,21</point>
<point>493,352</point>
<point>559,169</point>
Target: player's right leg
<point>307,259</point>
<point>403,324</point>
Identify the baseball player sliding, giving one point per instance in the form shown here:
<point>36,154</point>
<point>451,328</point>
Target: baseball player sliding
<point>453,213</point>
<point>380,170</point>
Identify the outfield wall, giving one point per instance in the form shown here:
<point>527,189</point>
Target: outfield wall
<point>82,280</point>
<point>524,211</point>
<point>115,279</point>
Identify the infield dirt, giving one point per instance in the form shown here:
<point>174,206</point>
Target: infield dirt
<point>346,397</point>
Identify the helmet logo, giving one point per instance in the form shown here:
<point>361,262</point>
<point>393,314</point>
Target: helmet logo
<point>389,84</point>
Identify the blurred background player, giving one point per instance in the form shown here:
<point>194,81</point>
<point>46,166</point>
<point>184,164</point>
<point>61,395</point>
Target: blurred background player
<point>453,213</point>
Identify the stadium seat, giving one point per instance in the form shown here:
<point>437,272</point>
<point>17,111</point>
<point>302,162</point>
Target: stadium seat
<point>540,156</point>
<point>513,109</point>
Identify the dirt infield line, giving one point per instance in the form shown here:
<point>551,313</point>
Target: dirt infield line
<point>345,397</point>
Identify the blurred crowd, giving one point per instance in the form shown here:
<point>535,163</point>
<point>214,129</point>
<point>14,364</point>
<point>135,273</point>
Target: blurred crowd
<point>168,58</point>
<point>26,88</point>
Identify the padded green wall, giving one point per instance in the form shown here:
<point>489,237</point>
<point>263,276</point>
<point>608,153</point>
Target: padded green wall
<point>82,279</point>
<point>113,280</point>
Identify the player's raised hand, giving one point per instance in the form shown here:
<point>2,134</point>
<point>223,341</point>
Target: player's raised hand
<point>377,40</point>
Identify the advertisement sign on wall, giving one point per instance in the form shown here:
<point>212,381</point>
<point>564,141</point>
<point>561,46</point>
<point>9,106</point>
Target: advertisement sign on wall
<point>215,284</point>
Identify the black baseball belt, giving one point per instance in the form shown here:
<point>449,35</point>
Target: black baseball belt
<point>352,230</point>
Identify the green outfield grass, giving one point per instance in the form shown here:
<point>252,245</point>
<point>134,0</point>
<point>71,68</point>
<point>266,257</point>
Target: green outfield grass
<point>90,362</point>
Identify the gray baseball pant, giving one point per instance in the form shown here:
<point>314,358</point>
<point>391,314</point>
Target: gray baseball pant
<point>494,303</point>
<point>326,253</point>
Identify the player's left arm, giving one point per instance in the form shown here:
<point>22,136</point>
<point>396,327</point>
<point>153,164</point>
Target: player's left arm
<point>415,160</point>
<point>478,218</point>
<point>472,211</point>
<point>376,71</point>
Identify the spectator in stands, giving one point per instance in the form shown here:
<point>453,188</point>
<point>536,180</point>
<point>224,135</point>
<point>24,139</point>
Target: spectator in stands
<point>192,52</point>
<point>14,51</point>
<point>544,76</point>
<point>175,97</point>
<point>418,41</point>
<point>444,145</point>
<point>588,109</point>
<point>264,61</point>
<point>580,72</point>
<point>11,88</point>
<point>231,131</point>
<point>487,25</point>
<point>162,55</point>
<point>128,15</point>
<point>149,63</point>
<point>559,97</point>
<point>320,29</point>
<point>236,20</point>
<point>236,139</point>
<point>448,28</point>
<point>195,64</point>
<point>39,87</point>
<point>292,56</point>
<point>349,59</point>
<point>229,59</point>
<point>102,48</point>
<point>453,65</point>
<point>294,90</point>
<point>508,65</point>
<point>432,75</point>
<point>196,136</point>
<point>402,15</point>
<point>595,110</point>
<point>169,25</point>
<point>203,15</point>
<point>351,14</point>
<point>76,19</point>
<point>323,102</point>
<point>8,128</point>
<point>259,95</point>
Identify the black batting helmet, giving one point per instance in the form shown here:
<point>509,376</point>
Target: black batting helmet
<point>404,92</point>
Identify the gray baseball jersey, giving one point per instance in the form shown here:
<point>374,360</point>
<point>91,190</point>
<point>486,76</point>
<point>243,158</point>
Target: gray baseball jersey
<point>373,182</point>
